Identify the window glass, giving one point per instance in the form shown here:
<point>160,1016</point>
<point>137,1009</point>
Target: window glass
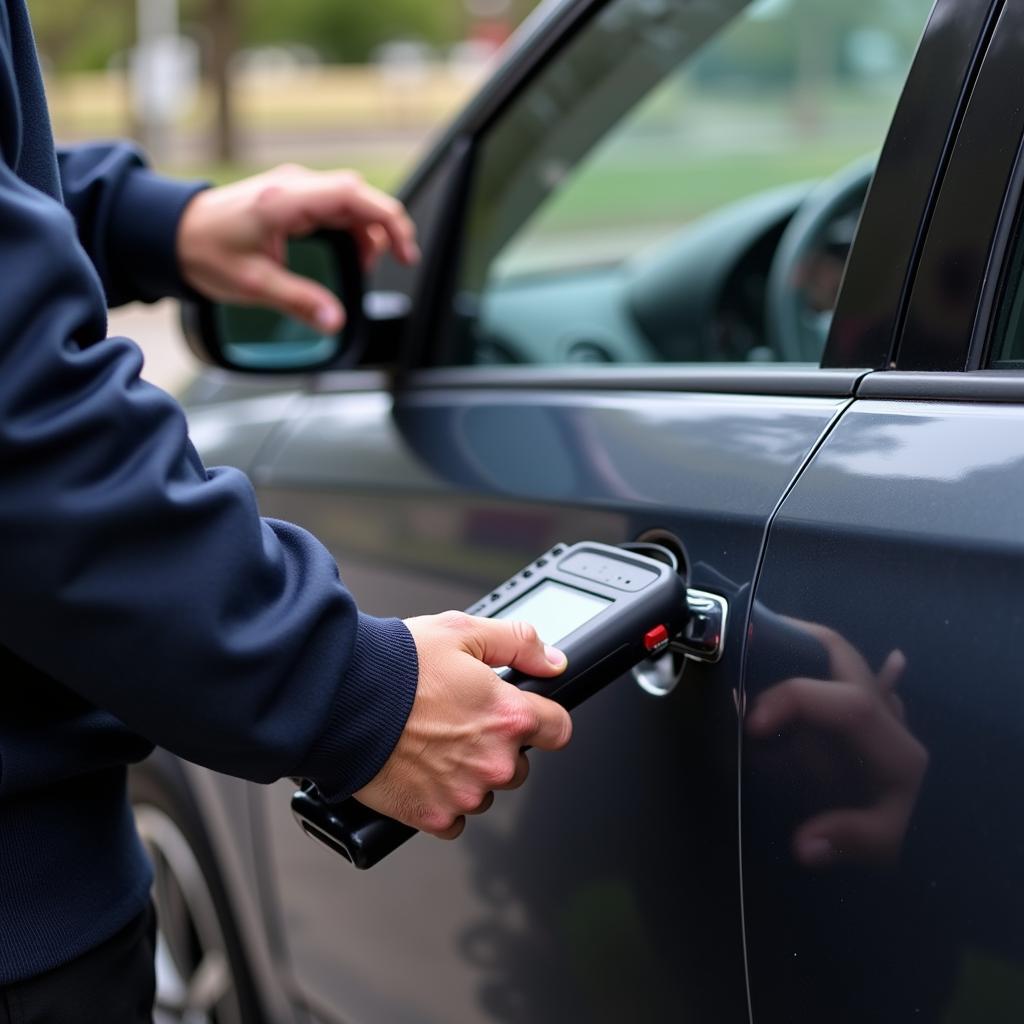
<point>1008,346</point>
<point>681,183</point>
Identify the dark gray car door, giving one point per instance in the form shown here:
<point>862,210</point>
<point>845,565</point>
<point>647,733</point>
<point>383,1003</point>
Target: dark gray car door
<point>884,740</point>
<point>609,884</point>
<point>608,888</point>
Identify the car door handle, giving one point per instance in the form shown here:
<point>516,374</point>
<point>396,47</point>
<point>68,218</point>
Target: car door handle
<point>703,638</point>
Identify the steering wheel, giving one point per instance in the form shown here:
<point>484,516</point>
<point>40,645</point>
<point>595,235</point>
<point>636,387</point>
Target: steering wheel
<point>797,332</point>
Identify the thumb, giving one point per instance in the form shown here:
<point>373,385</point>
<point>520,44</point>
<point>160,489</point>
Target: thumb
<point>269,284</point>
<point>508,642</point>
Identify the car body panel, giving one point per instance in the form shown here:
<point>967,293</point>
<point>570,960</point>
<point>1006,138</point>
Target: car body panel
<point>426,500</point>
<point>903,534</point>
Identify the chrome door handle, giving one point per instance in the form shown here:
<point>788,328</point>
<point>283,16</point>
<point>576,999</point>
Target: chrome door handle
<point>703,638</point>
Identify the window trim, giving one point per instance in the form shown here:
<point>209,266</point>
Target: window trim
<point>986,386</point>
<point>870,316</point>
<point>1007,238</point>
<point>785,380</point>
<point>968,231</point>
<point>539,39</point>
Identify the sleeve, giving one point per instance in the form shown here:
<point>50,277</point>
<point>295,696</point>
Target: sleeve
<point>146,584</point>
<point>127,219</point>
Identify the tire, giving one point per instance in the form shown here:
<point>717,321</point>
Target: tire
<point>202,977</point>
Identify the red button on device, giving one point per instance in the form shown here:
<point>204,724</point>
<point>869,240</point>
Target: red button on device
<point>655,638</point>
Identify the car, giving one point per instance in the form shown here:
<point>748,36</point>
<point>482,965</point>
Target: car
<point>743,280</point>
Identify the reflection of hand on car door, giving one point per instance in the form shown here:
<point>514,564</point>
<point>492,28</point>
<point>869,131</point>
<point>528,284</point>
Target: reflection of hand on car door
<point>861,710</point>
<point>467,727</point>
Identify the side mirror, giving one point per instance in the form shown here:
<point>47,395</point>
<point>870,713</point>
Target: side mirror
<point>258,340</point>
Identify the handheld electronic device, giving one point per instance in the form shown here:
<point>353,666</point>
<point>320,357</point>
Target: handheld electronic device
<point>607,608</point>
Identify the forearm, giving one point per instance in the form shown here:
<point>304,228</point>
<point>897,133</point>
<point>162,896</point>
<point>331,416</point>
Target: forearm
<point>148,586</point>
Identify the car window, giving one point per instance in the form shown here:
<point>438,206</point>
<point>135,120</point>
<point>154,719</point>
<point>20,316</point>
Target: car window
<point>681,183</point>
<point>1007,350</point>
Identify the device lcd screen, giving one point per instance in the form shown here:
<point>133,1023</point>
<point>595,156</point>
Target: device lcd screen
<point>554,610</point>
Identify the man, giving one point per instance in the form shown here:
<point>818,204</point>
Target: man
<point>143,600</point>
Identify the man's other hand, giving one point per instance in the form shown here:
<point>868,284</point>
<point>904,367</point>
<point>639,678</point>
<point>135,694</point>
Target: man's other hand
<point>232,240</point>
<point>467,728</point>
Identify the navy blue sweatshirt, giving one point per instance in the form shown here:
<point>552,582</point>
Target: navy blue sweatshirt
<point>142,599</point>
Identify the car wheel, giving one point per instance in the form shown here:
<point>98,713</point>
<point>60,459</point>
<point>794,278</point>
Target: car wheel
<point>201,976</point>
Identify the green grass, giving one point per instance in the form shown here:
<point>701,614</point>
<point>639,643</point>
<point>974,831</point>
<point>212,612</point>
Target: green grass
<point>383,173</point>
<point>678,191</point>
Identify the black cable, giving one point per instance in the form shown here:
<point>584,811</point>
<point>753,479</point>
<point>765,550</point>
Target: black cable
<point>658,552</point>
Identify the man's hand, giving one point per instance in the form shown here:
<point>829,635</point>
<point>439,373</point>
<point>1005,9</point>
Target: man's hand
<point>467,727</point>
<point>232,240</point>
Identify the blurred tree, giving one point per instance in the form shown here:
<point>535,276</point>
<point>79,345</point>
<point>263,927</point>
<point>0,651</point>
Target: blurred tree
<point>347,30</point>
<point>77,34</point>
<point>84,34</point>
<point>222,21</point>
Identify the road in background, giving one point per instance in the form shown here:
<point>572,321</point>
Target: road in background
<point>169,363</point>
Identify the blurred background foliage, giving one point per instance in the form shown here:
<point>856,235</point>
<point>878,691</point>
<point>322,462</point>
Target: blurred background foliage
<point>84,35</point>
<point>249,72</point>
<point>248,83</point>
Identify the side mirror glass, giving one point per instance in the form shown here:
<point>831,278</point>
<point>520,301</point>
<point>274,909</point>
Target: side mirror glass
<point>259,340</point>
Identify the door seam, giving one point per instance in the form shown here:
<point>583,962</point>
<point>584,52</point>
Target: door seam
<point>742,695</point>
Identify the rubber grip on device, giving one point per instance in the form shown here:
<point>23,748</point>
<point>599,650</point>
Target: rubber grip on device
<point>360,835</point>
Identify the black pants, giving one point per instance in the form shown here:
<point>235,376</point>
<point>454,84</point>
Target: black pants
<point>112,984</point>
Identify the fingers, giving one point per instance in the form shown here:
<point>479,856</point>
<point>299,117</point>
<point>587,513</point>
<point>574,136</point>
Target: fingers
<point>298,203</point>
<point>453,832</point>
<point>266,283</point>
<point>552,726</point>
<point>344,203</point>
<point>892,670</point>
<point>373,243</point>
<point>485,804</point>
<point>817,702</point>
<point>845,661</point>
<point>521,774</point>
<point>857,713</point>
<point>869,835</point>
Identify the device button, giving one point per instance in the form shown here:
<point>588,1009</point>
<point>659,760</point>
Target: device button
<point>655,638</point>
<point>495,597</point>
<point>558,550</point>
<point>541,562</point>
<point>527,573</point>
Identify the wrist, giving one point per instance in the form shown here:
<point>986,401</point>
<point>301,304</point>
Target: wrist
<point>370,710</point>
<point>190,243</point>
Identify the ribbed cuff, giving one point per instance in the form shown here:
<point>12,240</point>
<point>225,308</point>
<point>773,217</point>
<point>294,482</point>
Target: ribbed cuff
<point>145,234</point>
<point>370,709</point>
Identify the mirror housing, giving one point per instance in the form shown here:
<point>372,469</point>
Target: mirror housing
<point>253,339</point>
